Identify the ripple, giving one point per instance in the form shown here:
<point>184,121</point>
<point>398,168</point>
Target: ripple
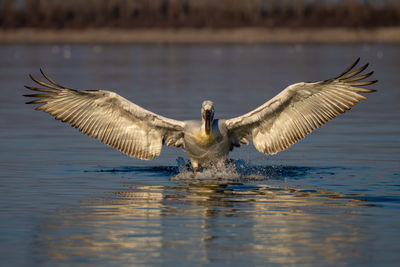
<point>234,179</point>
<point>236,170</point>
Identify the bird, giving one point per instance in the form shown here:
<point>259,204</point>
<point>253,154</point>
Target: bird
<point>139,133</point>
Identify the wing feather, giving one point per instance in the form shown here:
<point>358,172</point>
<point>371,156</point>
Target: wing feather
<point>108,117</point>
<point>300,109</point>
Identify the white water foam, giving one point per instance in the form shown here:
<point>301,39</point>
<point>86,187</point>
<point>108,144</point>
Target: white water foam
<point>233,171</point>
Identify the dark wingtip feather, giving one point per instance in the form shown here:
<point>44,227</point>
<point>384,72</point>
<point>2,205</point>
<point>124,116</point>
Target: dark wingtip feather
<point>58,88</point>
<point>348,69</point>
<point>39,89</point>
<point>33,102</point>
<point>362,83</point>
<point>50,80</point>
<point>354,73</point>
<point>357,78</point>
<point>38,95</point>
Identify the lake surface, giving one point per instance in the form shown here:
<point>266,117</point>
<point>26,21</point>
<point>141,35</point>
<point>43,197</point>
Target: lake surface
<point>331,199</point>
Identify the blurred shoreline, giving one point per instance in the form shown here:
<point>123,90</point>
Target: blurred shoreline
<point>205,36</point>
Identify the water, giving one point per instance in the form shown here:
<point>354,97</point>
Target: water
<point>331,199</point>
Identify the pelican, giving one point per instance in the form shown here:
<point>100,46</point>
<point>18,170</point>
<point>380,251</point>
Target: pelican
<point>139,133</point>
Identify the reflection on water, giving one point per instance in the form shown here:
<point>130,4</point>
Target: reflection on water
<point>231,222</point>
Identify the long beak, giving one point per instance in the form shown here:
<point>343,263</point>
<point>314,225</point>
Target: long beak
<point>208,121</point>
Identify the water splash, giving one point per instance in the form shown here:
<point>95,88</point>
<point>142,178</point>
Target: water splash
<point>227,173</point>
<point>237,170</point>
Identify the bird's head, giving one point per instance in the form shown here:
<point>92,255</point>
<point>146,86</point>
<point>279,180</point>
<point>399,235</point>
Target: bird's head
<point>207,113</point>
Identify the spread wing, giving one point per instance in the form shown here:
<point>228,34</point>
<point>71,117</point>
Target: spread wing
<point>110,118</point>
<point>299,109</point>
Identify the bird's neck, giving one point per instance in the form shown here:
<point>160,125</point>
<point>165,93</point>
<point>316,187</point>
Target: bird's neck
<point>201,137</point>
<point>203,126</point>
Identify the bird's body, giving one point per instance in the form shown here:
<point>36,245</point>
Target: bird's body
<point>206,150</point>
<point>139,133</point>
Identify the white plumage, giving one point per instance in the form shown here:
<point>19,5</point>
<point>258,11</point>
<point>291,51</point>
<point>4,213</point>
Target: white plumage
<point>139,133</point>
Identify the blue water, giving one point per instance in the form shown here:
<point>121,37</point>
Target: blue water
<point>331,199</point>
